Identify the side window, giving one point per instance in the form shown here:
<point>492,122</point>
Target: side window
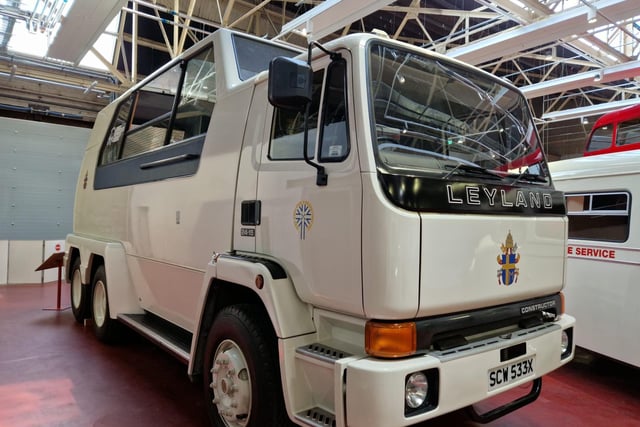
<point>173,107</point>
<point>628,132</point>
<point>334,141</point>
<point>152,114</point>
<point>197,98</point>
<point>158,131</point>
<point>601,138</point>
<point>113,144</point>
<point>287,131</point>
<point>599,216</point>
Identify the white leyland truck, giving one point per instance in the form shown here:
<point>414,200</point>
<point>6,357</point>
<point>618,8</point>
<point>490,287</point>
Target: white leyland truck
<point>365,235</point>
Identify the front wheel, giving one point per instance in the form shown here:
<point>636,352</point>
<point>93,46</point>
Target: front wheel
<point>242,378</point>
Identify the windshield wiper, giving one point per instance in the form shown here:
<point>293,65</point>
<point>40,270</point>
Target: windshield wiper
<point>472,170</point>
<point>525,176</point>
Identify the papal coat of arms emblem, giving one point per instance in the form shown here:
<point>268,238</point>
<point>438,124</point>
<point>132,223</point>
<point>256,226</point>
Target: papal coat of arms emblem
<point>508,272</point>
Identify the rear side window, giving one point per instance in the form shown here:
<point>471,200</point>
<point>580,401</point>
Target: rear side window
<point>253,56</point>
<point>151,115</point>
<point>197,98</point>
<point>599,216</point>
<point>158,131</point>
<point>173,107</point>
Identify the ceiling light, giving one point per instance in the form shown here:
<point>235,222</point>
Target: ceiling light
<point>598,76</point>
<point>592,15</point>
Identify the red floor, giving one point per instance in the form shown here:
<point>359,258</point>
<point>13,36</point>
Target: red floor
<point>53,372</point>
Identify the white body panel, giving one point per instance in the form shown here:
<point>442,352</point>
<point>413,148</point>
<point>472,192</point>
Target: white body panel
<point>392,235</point>
<point>323,257</point>
<point>602,286</point>
<point>460,258</point>
<point>333,236</point>
<point>174,230</point>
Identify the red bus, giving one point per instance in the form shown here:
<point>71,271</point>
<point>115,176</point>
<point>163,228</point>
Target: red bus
<point>615,131</point>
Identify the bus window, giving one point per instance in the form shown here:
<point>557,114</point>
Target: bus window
<point>599,216</point>
<point>615,131</point>
<point>628,132</point>
<point>601,139</point>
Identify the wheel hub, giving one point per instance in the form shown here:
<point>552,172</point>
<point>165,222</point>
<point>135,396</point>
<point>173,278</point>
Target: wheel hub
<point>76,288</point>
<point>231,385</point>
<point>99,303</point>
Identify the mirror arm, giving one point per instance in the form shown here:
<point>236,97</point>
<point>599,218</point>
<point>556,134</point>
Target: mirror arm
<point>321,177</point>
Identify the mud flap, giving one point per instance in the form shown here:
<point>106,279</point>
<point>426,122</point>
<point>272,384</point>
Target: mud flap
<point>507,408</point>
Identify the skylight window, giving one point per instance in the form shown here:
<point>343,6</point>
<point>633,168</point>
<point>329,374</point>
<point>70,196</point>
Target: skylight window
<point>38,25</point>
<point>105,45</point>
<point>34,24</point>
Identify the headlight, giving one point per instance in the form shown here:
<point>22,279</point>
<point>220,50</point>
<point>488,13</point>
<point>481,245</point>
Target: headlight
<point>415,390</point>
<point>565,343</point>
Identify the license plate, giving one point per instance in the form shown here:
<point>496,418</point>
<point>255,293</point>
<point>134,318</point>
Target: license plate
<point>507,374</point>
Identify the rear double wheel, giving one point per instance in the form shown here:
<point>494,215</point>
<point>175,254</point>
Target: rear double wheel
<point>79,294</point>
<point>104,327</point>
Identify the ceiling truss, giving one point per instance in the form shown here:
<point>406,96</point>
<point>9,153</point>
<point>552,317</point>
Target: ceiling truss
<point>546,47</point>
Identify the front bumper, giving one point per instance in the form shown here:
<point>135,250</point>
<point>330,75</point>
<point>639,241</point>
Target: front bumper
<point>375,387</point>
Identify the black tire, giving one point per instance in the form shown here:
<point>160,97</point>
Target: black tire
<point>79,294</point>
<point>104,327</point>
<point>241,376</point>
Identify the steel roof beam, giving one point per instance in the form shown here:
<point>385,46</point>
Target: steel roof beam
<point>85,22</point>
<point>330,16</point>
<point>547,30</point>
<point>591,110</point>
<point>576,81</point>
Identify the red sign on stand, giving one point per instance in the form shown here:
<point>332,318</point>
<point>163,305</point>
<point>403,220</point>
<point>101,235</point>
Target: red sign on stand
<point>55,261</point>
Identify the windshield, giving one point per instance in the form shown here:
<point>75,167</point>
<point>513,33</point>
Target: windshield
<point>436,117</point>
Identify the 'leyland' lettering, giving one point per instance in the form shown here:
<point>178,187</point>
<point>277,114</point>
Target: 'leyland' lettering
<point>474,195</point>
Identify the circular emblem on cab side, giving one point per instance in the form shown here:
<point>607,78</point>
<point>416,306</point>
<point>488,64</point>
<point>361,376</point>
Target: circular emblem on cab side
<point>303,218</point>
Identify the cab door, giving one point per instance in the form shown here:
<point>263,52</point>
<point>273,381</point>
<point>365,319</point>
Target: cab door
<point>314,230</point>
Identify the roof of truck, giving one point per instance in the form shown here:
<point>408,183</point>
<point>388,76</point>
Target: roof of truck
<point>621,163</point>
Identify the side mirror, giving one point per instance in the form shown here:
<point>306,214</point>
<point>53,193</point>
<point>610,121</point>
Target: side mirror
<point>290,83</point>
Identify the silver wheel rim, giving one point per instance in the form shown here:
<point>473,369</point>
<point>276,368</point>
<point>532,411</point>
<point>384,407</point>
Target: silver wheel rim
<point>76,289</point>
<point>99,303</point>
<point>231,384</point>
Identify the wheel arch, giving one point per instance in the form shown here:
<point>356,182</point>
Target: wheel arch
<point>72,255</point>
<point>88,269</point>
<point>112,255</point>
<point>220,294</point>
<point>232,279</point>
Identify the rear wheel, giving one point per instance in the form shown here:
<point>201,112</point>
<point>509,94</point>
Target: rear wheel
<point>104,327</point>
<point>79,294</point>
<point>242,379</point>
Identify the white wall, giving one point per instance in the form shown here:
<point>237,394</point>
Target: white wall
<point>24,257</point>
<point>4,261</point>
<point>20,258</point>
